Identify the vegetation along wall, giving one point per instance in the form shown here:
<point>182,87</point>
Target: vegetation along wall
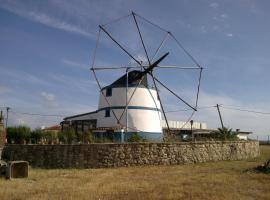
<point>2,137</point>
<point>118,155</point>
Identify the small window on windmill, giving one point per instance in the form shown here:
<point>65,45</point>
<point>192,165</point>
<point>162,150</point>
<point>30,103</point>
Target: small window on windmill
<point>107,113</point>
<point>108,92</point>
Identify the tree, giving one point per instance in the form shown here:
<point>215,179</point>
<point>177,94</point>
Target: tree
<point>224,134</point>
<point>18,134</point>
<point>86,137</point>
<point>50,136</point>
<point>61,137</point>
<point>36,136</point>
<point>69,135</point>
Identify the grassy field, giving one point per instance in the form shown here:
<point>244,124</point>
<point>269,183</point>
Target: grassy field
<point>215,180</point>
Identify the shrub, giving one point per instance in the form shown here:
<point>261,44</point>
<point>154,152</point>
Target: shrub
<point>50,137</point>
<point>224,134</point>
<point>36,136</point>
<point>135,137</point>
<point>88,137</point>
<point>61,137</point>
<point>18,134</point>
<point>69,135</point>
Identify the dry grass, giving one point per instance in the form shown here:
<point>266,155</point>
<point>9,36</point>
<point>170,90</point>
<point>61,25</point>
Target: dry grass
<point>220,180</point>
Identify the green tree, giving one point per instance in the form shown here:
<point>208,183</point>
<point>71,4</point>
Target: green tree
<point>224,134</point>
<point>50,136</point>
<point>36,136</point>
<point>18,134</point>
<point>86,137</point>
<point>69,135</point>
<point>61,137</point>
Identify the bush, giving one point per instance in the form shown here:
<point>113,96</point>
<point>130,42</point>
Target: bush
<point>224,134</point>
<point>69,135</point>
<point>86,137</point>
<point>18,134</point>
<point>36,136</point>
<point>61,137</point>
<point>135,137</point>
<point>50,137</point>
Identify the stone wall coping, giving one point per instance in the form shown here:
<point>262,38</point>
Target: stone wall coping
<point>140,143</point>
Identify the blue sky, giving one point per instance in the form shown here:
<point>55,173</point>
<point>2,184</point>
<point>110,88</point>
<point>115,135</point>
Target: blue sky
<point>46,49</point>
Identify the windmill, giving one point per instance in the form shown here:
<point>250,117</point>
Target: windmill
<point>128,102</point>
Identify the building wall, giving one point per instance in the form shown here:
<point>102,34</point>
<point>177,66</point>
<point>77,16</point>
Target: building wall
<point>144,97</point>
<point>242,136</point>
<point>184,125</point>
<point>143,112</point>
<point>129,154</point>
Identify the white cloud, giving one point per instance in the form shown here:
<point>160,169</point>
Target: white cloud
<point>4,89</point>
<point>75,64</point>
<point>203,29</point>
<point>214,5</point>
<point>56,23</point>
<point>229,35</point>
<point>48,96</point>
<point>47,20</point>
<point>224,16</point>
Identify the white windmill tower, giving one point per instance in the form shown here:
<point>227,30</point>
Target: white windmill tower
<point>130,104</point>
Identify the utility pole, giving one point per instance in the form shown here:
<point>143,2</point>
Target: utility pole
<point>191,124</point>
<point>127,71</point>
<point>8,108</point>
<point>1,116</point>
<point>222,125</point>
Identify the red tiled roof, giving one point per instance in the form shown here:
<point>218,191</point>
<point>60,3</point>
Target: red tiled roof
<point>53,128</point>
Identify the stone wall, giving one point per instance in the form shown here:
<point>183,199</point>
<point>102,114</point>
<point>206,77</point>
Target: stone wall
<point>118,155</point>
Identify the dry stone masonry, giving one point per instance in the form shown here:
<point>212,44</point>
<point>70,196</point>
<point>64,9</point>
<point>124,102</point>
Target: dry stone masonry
<point>132,154</point>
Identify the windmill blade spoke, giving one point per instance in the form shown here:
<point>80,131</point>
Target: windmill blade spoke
<point>175,67</point>
<point>121,47</point>
<point>161,105</point>
<point>106,99</point>
<point>160,46</point>
<point>174,93</point>
<point>199,86</point>
<point>116,20</point>
<point>98,83</point>
<point>184,49</point>
<point>131,97</point>
<point>112,68</point>
<point>148,21</point>
<point>138,28</point>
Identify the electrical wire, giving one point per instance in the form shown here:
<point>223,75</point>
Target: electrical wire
<point>36,114</point>
<point>246,110</point>
<point>188,109</point>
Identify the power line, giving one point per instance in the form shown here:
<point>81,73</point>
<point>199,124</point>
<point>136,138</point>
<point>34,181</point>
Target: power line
<point>188,109</point>
<point>246,110</point>
<point>37,114</point>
